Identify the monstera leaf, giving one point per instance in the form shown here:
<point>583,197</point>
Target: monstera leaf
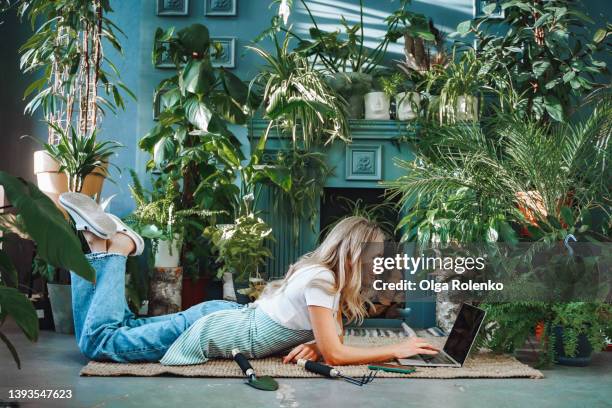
<point>55,240</point>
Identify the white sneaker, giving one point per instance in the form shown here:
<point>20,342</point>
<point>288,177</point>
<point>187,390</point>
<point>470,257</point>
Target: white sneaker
<point>121,226</point>
<point>87,215</point>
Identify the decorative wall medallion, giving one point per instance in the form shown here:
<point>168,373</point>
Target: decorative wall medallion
<point>488,8</point>
<point>172,7</point>
<point>225,55</point>
<point>363,162</point>
<point>220,7</point>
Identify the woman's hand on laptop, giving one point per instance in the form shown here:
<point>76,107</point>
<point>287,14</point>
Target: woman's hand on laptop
<point>306,351</point>
<point>412,347</point>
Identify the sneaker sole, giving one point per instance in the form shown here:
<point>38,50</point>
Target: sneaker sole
<point>86,209</point>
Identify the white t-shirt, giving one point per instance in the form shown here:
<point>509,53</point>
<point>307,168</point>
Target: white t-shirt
<point>288,306</point>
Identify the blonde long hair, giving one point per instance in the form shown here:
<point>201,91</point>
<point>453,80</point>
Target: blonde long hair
<point>340,252</point>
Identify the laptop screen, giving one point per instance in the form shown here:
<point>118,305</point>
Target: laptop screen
<point>464,332</point>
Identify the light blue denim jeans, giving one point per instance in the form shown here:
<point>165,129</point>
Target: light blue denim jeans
<point>106,329</point>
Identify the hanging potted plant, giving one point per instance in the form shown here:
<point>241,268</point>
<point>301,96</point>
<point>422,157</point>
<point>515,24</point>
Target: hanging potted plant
<point>74,89</point>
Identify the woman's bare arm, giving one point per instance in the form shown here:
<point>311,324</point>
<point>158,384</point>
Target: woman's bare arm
<point>336,353</point>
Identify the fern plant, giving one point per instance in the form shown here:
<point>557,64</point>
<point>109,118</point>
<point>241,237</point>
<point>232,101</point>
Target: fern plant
<point>158,216</point>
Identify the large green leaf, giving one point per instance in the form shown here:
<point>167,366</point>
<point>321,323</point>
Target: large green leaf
<point>228,109</point>
<point>55,240</point>
<point>553,107</point>
<point>197,113</point>
<point>14,303</point>
<point>234,86</point>
<point>194,39</point>
<point>197,77</point>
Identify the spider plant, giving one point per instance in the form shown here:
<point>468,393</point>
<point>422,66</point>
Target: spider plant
<point>80,155</point>
<point>462,77</point>
<point>463,185</point>
<point>298,99</point>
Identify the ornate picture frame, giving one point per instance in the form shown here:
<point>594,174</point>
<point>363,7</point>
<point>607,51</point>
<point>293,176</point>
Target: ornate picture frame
<point>172,8</point>
<point>220,8</point>
<point>228,59</point>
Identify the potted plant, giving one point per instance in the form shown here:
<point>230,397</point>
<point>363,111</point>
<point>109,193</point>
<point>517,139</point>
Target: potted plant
<point>579,328</point>
<point>460,85</point>
<point>241,251</point>
<point>297,98</point>
<point>39,220</point>
<point>196,104</point>
<point>378,101</point>
<point>75,88</point>
<point>60,296</point>
<point>157,217</point>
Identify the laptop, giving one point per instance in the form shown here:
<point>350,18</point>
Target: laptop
<point>459,342</point>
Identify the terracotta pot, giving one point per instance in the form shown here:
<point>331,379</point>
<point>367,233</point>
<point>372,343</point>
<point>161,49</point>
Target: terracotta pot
<point>53,183</point>
<point>194,291</point>
<point>539,330</point>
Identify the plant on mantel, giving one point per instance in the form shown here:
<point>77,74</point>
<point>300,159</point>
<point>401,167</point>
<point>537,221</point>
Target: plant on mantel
<point>547,51</point>
<point>77,83</point>
<point>346,59</point>
<point>32,215</point>
<point>195,106</point>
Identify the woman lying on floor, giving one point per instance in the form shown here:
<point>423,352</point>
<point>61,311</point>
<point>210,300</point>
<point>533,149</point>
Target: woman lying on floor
<point>307,304</point>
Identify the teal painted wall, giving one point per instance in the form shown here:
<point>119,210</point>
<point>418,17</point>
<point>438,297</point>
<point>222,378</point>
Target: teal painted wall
<point>137,18</point>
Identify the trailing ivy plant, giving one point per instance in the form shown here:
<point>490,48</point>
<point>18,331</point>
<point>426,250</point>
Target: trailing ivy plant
<point>547,51</point>
<point>32,215</point>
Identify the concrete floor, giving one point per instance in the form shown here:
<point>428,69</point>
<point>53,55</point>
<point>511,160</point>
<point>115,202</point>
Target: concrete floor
<point>54,363</point>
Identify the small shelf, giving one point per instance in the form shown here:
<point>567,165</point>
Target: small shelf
<point>359,129</point>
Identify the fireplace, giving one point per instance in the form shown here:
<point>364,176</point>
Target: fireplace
<point>359,167</point>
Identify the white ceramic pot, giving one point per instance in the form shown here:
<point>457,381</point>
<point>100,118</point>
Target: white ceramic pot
<point>407,105</point>
<point>168,254</point>
<point>467,108</point>
<point>377,105</point>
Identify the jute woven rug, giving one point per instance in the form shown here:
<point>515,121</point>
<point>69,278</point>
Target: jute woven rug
<point>478,365</point>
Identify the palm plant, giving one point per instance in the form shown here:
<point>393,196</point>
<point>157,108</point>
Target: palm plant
<point>298,99</point>
<point>464,184</point>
